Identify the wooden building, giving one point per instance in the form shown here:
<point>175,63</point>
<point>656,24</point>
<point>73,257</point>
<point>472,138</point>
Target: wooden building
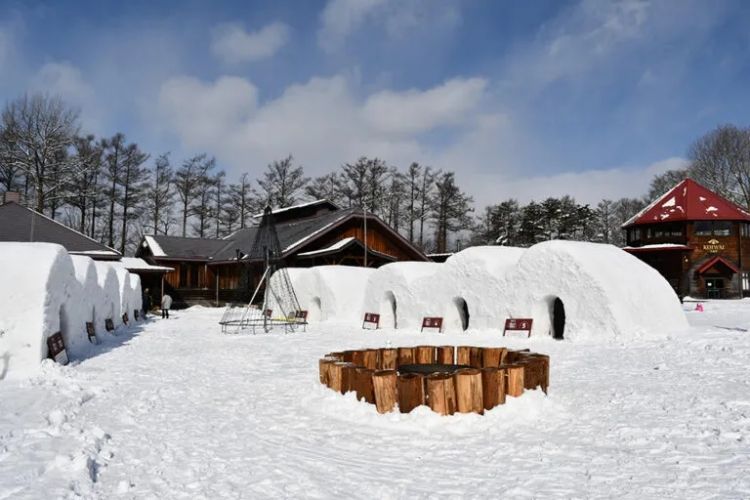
<point>216,271</point>
<point>698,240</point>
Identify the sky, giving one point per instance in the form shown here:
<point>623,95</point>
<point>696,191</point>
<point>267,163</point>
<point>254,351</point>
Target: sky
<point>520,99</point>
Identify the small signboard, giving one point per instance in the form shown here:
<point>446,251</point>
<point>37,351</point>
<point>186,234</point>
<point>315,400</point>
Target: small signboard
<point>268,313</point>
<point>56,348</point>
<point>300,316</point>
<point>136,314</point>
<point>109,325</point>
<point>518,325</point>
<point>91,331</point>
<point>432,323</point>
<point>125,319</point>
<point>371,319</point>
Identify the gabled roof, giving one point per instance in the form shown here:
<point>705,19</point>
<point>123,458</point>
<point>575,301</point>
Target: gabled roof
<point>19,223</point>
<point>689,201</point>
<point>292,235</point>
<point>179,248</point>
<point>718,260</point>
<point>315,203</point>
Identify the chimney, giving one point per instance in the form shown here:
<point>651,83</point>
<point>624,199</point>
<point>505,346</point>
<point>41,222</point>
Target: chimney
<point>13,196</point>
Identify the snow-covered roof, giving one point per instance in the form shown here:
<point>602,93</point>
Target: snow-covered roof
<point>137,264</point>
<point>299,205</point>
<point>659,246</point>
<point>156,250</point>
<point>686,201</point>
<point>336,246</point>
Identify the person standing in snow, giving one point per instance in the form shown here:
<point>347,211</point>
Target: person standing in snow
<point>166,303</point>
<point>146,302</point>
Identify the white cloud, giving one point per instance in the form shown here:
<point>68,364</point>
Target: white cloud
<point>585,186</point>
<point>417,111</point>
<point>321,122</point>
<point>65,80</point>
<point>399,19</point>
<point>232,44</point>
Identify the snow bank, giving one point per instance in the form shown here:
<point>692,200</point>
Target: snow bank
<point>136,296</point>
<point>110,290</point>
<point>604,292</point>
<point>88,298</point>
<point>36,301</point>
<point>123,291</point>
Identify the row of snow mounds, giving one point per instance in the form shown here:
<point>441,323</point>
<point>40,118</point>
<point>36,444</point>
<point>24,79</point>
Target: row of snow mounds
<point>327,293</point>
<point>45,291</point>
<point>605,292</point>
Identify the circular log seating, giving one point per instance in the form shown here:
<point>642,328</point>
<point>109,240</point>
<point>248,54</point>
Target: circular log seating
<point>448,379</point>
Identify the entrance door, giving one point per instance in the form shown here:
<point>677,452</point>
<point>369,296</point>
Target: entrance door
<point>714,287</point>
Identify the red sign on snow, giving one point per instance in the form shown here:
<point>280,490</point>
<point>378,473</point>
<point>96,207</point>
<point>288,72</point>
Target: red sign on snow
<point>371,319</point>
<point>56,348</point>
<point>432,323</point>
<point>518,325</point>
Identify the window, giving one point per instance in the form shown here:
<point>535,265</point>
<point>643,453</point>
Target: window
<point>703,228</point>
<point>722,228</point>
<point>745,229</point>
<point>745,281</point>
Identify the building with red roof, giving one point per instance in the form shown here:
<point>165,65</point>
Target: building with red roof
<point>698,240</point>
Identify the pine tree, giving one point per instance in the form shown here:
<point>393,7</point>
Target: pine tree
<point>282,183</point>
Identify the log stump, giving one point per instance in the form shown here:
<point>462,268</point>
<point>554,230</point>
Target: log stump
<point>425,354</point>
<point>370,359</point>
<point>463,355</point>
<point>475,357</point>
<point>349,377</point>
<point>406,356</point>
<point>386,395</point>
<point>363,384</point>
<point>441,393</point>
<point>388,359</point>
<point>411,391</point>
<point>515,382</point>
<point>445,354</point>
<point>493,387</point>
<point>324,366</point>
<point>338,356</point>
<point>348,356</point>
<point>491,356</point>
<point>469,390</point>
<point>338,376</point>
<point>358,357</point>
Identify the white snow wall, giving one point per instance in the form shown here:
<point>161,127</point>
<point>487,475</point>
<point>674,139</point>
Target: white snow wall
<point>136,297</point>
<point>36,301</point>
<point>328,293</point>
<point>89,297</point>
<point>110,295</point>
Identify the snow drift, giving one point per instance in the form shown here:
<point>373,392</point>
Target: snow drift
<point>36,301</point>
<point>88,297</point>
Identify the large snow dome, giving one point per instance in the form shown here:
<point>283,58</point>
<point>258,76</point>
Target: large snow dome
<point>88,297</point>
<point>328,293</point>
<point>136,297</point>
<point>465,290</point>
<point>35,303</point>
<point>391,291</point>
<point>598,289</point>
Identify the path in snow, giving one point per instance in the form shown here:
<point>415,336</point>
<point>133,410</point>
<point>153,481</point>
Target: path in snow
<point>181,411</point>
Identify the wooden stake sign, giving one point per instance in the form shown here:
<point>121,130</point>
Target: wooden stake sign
<point>432,323</point>
<point>518,324</point>
<point>370,320</point>
<point>125,318</point>
<point>56,348</point>
<point>109,325</point>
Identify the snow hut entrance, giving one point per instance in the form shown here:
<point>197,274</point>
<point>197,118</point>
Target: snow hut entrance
<point>558,319</point>
<point>388,310</point>
<point>463,312</point>
<point>315,312</point>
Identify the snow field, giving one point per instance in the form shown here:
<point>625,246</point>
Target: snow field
<point>181,411</point>
<point>601,288</point>
<point>45,291</point>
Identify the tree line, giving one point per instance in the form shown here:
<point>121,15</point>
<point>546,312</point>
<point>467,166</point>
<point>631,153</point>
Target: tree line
<point>111,190</point>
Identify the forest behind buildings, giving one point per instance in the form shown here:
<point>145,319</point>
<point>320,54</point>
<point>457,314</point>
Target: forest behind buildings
<point>113,191</point>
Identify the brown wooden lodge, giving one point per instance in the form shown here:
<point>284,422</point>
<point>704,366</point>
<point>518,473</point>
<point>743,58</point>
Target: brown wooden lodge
<point>698,240</point>
<point>216,271</point>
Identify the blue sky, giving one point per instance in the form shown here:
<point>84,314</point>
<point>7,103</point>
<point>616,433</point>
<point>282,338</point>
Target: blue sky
<point>524,99</point>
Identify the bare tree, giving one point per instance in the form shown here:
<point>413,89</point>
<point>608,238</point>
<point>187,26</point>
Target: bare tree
<point>133,179</point>
<point>282,183</point>
<point>428,184</point>
<point>186,181</point>
<point>115,156</point>
<point>160,194</point>
<point>326,187</point>
<point>450,209</point>
<point>721,161</point>
<point>83,186</point>
<point>243,197</point>
<point>364,184</point>
<point>36,132</point>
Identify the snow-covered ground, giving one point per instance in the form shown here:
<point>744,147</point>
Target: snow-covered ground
<point>176,410</point>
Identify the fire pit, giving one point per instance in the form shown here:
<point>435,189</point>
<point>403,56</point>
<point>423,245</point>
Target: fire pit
<point>446,378</point>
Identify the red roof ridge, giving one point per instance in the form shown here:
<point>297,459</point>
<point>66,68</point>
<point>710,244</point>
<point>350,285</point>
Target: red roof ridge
<point>689,200</point>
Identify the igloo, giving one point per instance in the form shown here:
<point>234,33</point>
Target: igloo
<point>89,297</point>
<point>583,290</point>
<point>36,301</point>
<point>110,290</point>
